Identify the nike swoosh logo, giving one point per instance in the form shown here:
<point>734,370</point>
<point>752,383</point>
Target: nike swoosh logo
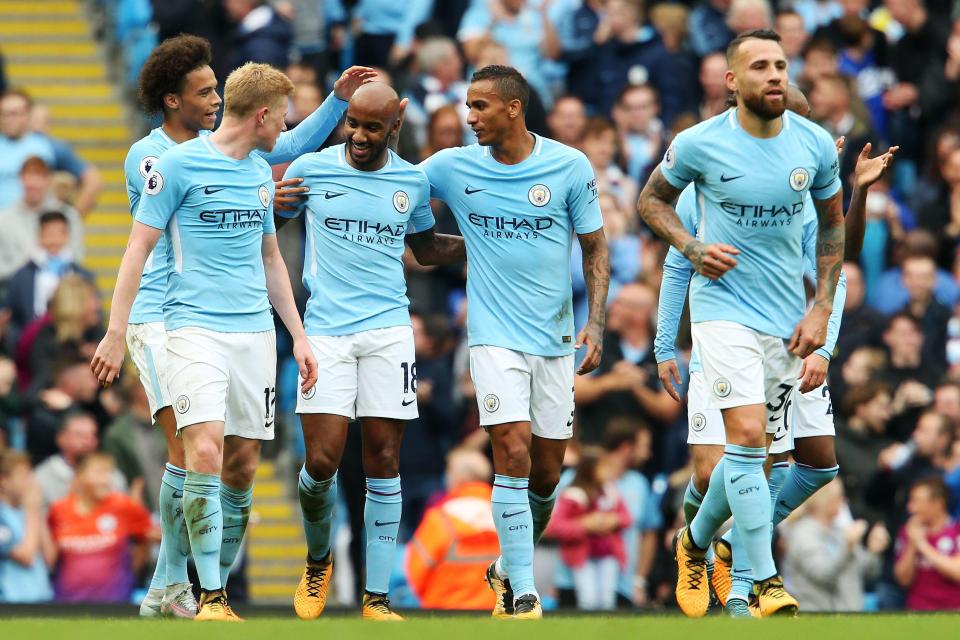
<point>268,424</point>
<point>733,479</point>
<point>233,526</point>
<point>203,517</point>
<point>209,190</point>
<point>470,191</point>
<point>786,506</point>
<point>510,515</point>
<point>377,523</point>
<point>330,195</point>
<point>724,178</point>
<point>177,496</point>
<point>407,403</point>
<point>570,423</point>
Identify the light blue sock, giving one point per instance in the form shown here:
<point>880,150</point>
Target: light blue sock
<point>176,540</point>
<point>159,579</point>
<point>236,512</point>
<point>514,523</point>
<point>381,520</point>
<point>202,511</point>
<point>540,510</point>
<point>692,499</point>
<point>749,497</point>
<point>801,482</point>
<point>714,510</point>
<point>741,576</point>
<point>317,500</point>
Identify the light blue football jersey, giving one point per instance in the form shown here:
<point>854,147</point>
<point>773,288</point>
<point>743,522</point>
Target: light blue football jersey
<point>518,223</point>
<point>143,154</point>
<point>750,194</point>
<point>677,272</point>
<point>13,153</point>
<point>356,224</point>
<point>214,211</point>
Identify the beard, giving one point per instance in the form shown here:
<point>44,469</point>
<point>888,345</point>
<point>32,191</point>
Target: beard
<point>763,108</point>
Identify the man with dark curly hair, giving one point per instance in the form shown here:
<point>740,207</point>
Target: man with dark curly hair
<point>178,83</point>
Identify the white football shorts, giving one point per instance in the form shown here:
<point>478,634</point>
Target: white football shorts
<point>147,344</point>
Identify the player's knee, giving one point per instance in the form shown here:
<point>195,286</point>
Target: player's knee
<point>205,456</point>
<point>749,432</point>
<point>382,463</point>
<point>239,471</point>
<point>543,482</point>
<point>320,465</point>
<point>515,456</point>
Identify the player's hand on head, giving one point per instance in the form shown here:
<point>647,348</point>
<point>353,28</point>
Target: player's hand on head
<point>869,170</point>
<point>669,374</point>
<point>591,337</point>
<point>351,80</point>
<point>813,373</point>
<point>108,359</point>
<point>303,354</point>
<point>289,195</point>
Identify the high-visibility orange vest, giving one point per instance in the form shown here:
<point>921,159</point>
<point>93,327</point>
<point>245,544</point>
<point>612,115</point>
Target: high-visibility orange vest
<point>451,549</point>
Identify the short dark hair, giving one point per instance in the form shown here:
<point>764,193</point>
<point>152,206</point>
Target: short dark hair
<point>903,315</point>
<point>34,164</point>
<point>753,34</point>
<point>620,431</point>
<point>74,414</point>
<point>862,394</point>
<point>166,70</point>
<point>638,87</point>
<point>48,217</point>
<point>936,486</point>
<point>510,83</point>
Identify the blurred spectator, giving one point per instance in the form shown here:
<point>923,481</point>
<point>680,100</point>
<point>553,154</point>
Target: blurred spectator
<point>444,131</point>
<point>440,83</point>
<point>456,540</point>
<point>567,120</point>
<point>901,464</point>
<point>588,522</point>
<point>601,145</point>
<point>259,34</point>
<point>890,294</point>
<point>862,325</point>
<point>928,550</point>
<point>794,36</point>
<point>71,325</point>
<point>318,32</point>
<point>817,13</point>
<point>747,15</point>
<point>831,102</point>
<point>642,136</point>
<point>100,536</point>
<point>827,562</point>
<point>428,438</point>
<point>21,220</point>
<point>908,375</point>
<point>941,215</point>
<point>11,405</point>
<point>76,438</point>
<point>919,279</point>
<point>88,183</point>
<point>32,286</point>
<point>709,32</point>
<point>860,439</point>
<point>626,383</point>
<point>17,143</point>
<point>74,388</point>
<point>385,29</point>
<point>713,67</point>
<point>26,549</point>
<point>862,366</point>
<point>673,71</point>
<point>946,402</point>
<point>307,98</point>
<point>820,59</point>
<point>887,218</point>
<point>137,446</point>
<point>527,31</point>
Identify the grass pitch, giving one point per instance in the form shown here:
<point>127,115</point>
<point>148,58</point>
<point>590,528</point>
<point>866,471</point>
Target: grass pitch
<point>556,627</point>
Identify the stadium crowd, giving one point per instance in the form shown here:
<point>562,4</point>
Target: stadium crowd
<point>616,79</point>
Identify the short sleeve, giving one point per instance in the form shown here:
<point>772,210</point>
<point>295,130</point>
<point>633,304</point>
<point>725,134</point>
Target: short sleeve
<point>269,225</point>
<point>436,169</point>
<point>826,183</point>
<point>163,192</point>
<point>582,200</point>
<point>422,217</point>
<point>134,175</point>
<point>474,22</point>
<point>65,159</point>
<point>680,165</point>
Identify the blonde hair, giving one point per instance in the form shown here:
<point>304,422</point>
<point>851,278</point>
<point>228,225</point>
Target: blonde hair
<point>253,86</point>
<point>68,308</point>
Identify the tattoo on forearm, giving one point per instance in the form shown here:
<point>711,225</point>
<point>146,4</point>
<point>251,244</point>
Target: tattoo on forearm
<point>437,248</point>
<point>656,208</point>
<point>596,274</point>
<point>830,248</point>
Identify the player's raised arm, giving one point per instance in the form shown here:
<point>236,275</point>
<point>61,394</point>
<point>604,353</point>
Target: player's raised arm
<point>656,208</point>
<point>108,358</point>
<point>868,171</point>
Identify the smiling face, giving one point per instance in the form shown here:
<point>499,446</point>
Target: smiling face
<point>372,118</point>
<point>758,75</point>
<point>198,103</point>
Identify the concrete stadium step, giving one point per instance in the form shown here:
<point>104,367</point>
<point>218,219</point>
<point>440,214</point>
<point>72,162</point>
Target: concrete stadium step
<point>79,72</point>
<point>288,571</point>
<point>115,133</point>
<point>63,113</point>
<point>23,29</point>
<point>40,51</point>
<point>48,92</point>
<point>47,8</point>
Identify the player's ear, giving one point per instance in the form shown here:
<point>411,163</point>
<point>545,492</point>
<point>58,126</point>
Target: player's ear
<point>262,115</point>
<point>171,101</point>
<point>730,80</point>
<point>515,109</point>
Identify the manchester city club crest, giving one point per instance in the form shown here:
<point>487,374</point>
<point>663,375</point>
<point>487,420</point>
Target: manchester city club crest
<point>401,201</point>
<point>491,403</point>
<point>539,195</point>
<point>154,183</point>
<point>699,422</point>
<point>722,388</point>
<point>183,404</point>
<point>264,196</point>
<point>146,165</point>
<point>310,393</point>
<point>799,178</point>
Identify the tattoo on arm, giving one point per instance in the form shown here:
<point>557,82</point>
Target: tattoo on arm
<point>656,208</point>
<point>596,274</point>
<point>431,248</point>
<point>830,248</point>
